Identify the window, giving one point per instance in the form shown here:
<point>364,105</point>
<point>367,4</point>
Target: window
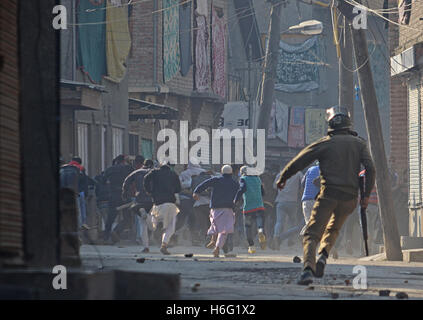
<point>133,144</point>
<point>147,148</point>
<point>83,144</point>
<point>117,145</point>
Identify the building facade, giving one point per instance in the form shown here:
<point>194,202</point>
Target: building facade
<point>406,121</point>
<point>177,67</point>
<point>94,83</point>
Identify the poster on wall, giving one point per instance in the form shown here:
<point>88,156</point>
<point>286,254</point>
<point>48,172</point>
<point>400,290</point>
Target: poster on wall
<point>315,125</point>
<point>296,128</point>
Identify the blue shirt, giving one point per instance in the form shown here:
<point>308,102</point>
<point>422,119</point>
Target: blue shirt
<point>310,190</point>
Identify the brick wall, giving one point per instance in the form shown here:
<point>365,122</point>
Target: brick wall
<point>141,58</point>
<point>399,100</point>
<point>10,194</point>
<point>140,62</point>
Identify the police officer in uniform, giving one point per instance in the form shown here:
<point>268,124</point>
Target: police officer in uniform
<point>340,154</point>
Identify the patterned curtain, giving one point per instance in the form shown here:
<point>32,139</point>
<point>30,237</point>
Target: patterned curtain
<point>171,53</point>
<point>202,64</point>
<point>185,13</point>
<point>298,66</point>
<point>219,53</point>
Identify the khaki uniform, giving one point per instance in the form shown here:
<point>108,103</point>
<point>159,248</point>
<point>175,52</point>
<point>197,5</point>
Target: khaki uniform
<point>340,155</point>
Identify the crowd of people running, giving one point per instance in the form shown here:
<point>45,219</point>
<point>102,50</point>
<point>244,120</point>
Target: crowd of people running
<point>154,201</point>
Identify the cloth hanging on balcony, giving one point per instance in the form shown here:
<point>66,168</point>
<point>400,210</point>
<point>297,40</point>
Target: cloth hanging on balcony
<point>298,66</point>
<point>279,117</point>
<point>185,13</point>
<point>404,14</point>
<point>315,125</point>
<point>91,58</point>
<point>171,53</point>
<point>118,39</point>
<point>202,64</point>
<point>202,8</point>
<point>219,52</point>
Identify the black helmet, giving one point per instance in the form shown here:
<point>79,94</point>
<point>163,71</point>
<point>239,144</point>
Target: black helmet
<point>338,118</point>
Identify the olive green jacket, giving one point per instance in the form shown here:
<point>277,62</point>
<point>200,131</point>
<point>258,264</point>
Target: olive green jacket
<point>339,154</point>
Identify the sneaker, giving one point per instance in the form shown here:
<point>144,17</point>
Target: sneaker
<point>211,244</point>
<point>262,240</point>
<point>320,266</point>
<point>145,250</point>
<point>216,252</point>
<point>164,250</point>
<point>251,250</point>
<point>306,278</point>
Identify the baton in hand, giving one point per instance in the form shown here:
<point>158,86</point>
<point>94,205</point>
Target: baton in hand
<point>363,217</point>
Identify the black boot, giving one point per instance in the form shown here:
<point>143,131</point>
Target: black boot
<point>321,264</point>
<point>306,277</point>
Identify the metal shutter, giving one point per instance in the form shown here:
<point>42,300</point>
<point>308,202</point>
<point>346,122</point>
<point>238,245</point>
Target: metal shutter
<point>414,148</point>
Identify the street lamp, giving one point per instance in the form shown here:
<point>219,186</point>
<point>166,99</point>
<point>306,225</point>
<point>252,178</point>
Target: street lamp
<point>309,27</point>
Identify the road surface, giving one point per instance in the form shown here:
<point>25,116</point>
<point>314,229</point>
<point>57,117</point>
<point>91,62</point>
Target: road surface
<point>266,275</point>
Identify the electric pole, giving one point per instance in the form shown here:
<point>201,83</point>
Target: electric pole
<point>377,146</point>
<point>346,75</point>
<point>270,65</point>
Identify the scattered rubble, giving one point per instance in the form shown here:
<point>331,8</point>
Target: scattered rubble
<point>401,295</point>
<point>334,295</point>
<point>194,287</point>
<point>384,293</point>
<point>296,259</point>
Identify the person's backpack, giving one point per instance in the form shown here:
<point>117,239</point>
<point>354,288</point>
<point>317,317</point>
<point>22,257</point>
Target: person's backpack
<point>69,177</point>
<point>197,180</point>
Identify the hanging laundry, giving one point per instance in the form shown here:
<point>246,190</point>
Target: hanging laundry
<point>91,58</point>
<point>202,8</point>
<point>404,14</point>
<point>171,52</point>
<point>219,52</point>
<point>297,116</point>
<point>202,64</point>
<point>185,37</point>
<point>118,39</point>
<point>279,118</point>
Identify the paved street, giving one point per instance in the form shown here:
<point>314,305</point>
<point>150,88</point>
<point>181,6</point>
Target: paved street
<point>266,275</point>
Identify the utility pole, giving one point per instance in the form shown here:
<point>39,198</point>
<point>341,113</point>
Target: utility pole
<point>377,146</point>
<point>346,76</point>
<point>270,65</point>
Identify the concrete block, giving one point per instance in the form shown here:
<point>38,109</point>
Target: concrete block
<point>89,285</point>
<point>381,249</point>
<point>414,255</point>
<point>408,243</point>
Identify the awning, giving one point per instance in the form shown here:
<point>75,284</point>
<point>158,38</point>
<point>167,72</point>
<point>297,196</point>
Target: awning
<point>140,109</point>
<point>81,95</point>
